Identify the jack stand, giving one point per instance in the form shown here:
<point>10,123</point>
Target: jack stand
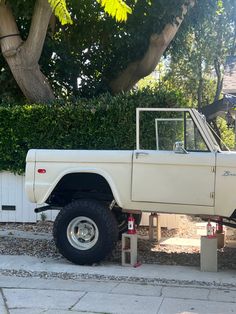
<point>153,228</point>
<point>129,249</point>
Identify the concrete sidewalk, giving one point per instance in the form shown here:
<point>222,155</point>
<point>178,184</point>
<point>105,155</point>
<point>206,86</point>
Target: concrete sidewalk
<point>57,296</point>
<point>184,275</point>
<point>32,285</point>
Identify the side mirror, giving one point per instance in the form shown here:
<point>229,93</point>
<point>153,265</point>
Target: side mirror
<point>179,148</point>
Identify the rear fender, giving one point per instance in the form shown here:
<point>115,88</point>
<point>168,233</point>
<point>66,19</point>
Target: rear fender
<point>100,172</point>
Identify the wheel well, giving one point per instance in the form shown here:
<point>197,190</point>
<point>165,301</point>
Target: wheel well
<point>80,185</point>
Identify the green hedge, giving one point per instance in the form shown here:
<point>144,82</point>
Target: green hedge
<point>105,122</point>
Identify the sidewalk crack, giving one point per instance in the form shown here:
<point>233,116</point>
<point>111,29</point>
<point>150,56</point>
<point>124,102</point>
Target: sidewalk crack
<point>159,307</point>
<point>4,301</point>
<point>81,297</point>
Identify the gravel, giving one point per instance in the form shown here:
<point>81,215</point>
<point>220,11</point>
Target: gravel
<point>149,252</point>
<point>127,279</point>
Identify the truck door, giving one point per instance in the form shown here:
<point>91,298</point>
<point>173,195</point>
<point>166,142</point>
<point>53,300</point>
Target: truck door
<point>174,166</point>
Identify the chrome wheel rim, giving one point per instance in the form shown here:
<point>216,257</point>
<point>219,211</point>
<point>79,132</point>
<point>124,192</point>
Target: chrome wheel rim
<point>82,233</point>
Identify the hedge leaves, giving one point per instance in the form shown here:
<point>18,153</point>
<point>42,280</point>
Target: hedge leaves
<point>106,122</point>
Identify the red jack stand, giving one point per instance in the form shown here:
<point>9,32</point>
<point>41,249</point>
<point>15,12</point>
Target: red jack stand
<point>130,244</point>
<point>131,225</point>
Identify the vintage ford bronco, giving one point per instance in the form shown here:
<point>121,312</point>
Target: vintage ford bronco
<point>177,167</point>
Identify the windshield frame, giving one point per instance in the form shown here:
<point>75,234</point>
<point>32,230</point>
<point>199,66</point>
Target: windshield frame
<point>203,123</point>
<point>198,119</point>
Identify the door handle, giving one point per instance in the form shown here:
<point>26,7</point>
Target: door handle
<point>137,154</point>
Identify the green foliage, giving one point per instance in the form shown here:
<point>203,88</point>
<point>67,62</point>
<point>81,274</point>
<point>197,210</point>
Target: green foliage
<point>97,56</point>
<point>227,134</point>
<point>118,9</point>
<point>43,217</point>
<point>104,122</point>
<point>96,48</point>
<point>60,10</point>
<point>9,90</point>
<point>198,53</point>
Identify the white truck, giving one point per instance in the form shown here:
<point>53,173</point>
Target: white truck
<point>177,167</point>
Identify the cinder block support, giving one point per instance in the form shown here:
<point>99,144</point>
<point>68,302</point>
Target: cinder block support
<point>208,258</point>
<point>129,249</point>
<point>154,227</point>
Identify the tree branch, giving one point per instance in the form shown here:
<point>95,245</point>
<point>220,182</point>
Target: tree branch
<point>157,45</point>
<point>38,30</point>
<point>21,57</point>
<point>233,49</point>
<point>219,83</point>
<point>8,44</point>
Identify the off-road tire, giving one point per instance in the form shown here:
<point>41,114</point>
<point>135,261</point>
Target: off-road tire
<point>104,222</point>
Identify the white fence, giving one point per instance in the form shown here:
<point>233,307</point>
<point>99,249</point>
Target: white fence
<point>14,206</point>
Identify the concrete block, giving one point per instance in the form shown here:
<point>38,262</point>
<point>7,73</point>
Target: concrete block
<point>208,258</point>
<point>129,249</point>
<point>154,227</point>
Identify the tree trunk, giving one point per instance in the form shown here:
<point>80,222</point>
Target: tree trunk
<point>219,52</point>
<point>22,57</point>
<point>157,46</point>
<point>233,45</point>
<point>199,94</point>
<point>200,84</point>
<point>217,130</point>
<point>219,82</point>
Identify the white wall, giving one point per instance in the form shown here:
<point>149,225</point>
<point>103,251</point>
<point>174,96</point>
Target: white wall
<point>12,192</point>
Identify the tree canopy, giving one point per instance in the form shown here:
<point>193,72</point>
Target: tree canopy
<point>197,65</point>
<point>116,8</point>
<point>95,53</point>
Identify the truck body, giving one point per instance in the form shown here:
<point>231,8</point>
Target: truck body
<point>179,169</point>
